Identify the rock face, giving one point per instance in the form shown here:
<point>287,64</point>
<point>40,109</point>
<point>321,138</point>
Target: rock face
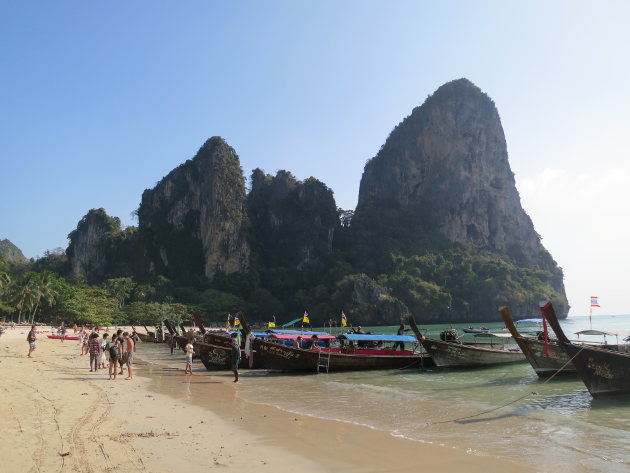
<point>446,166</point>
<point>367,303</point>
<point>293,222</point>
<point>449,158</point>
<point>11,253</point>
<point>192,222</point>
<point>90,244</point>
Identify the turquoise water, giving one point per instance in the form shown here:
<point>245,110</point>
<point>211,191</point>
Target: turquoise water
<point>505,411</point>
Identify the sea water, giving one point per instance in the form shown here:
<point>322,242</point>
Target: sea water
<point>503,410</point>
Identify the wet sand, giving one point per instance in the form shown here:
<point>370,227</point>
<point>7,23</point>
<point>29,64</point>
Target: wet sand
<point>58,416</point>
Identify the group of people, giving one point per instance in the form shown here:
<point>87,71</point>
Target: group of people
<point>117,351</point>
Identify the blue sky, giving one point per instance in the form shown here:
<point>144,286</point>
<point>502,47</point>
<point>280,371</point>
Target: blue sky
<point>101,100</point>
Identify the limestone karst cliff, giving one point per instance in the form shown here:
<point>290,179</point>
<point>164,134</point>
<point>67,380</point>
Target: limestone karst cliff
<point>443,176</point>
<point>192,221</point>
<point>11,253</point>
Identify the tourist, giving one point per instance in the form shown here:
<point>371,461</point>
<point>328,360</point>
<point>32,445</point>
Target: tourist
<point>80,338</point>
<point>129,352</point>
<point>189,354</point>
<point>114,357</point>
<point>95,348</point>
<point>314,345</point>
<point>85,348</point>
<point>121,347</point>
<point>31,338</point>
<point>235,356</point>
<point>103,349</point>
<point>171,343</point>
<point>298,342</point>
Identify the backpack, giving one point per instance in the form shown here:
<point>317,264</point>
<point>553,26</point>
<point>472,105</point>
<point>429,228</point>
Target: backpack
<point>113,351</point>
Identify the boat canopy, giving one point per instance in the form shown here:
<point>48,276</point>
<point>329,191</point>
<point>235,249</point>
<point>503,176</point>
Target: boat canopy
<point>293,336</point>
<point>297,332</point>
<point>360,337</point>
<point>595,332</point>
<point>494,335</point>
<point>529,321</point>
<point>295,321</point>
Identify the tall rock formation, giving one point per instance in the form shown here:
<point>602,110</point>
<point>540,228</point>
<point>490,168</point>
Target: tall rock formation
<point>193,221</point>
<point>293,222</point>
<point>89,245</point>
<point>445,168</point>
<point>11,253</point>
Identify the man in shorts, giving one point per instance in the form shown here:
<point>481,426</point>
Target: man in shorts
<point>30,338</point>
<point>189,355</point>
<point>130,348</point>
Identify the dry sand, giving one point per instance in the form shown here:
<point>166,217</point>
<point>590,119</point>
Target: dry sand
<point>56,416</point>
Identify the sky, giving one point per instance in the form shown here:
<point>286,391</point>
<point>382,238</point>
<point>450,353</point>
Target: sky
<point>100,100</point>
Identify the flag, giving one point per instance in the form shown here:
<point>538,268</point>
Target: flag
<point>271,324</point>
<point>594,302</point>
<point>305,319</point>
<point>236,321</point>
<point>228,325</point>
<point>344,319</point>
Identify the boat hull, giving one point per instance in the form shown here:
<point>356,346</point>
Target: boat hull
<point>450,354</point>
<point>67,337</point>
<point>215,353</point>
<point>278,357</point>
<point>604,372</point>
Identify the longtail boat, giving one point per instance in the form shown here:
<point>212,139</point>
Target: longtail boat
<point>273,354</point>
<point>215,348</point>
<point>452,352</point>
<point>546,358</point>
<point>604,371</point>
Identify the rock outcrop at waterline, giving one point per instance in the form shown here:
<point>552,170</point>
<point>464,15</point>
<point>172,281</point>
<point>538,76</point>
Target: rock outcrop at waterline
<point>192,222</point>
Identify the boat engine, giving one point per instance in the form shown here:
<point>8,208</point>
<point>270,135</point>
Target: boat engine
<point>449,335</point>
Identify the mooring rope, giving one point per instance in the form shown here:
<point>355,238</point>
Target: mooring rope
<point>533,393</point>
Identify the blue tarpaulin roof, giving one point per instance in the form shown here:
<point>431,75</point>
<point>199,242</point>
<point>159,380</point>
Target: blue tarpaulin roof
<point>356,337</point>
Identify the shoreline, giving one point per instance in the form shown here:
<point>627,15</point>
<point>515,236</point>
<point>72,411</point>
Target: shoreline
<point>163,420</point>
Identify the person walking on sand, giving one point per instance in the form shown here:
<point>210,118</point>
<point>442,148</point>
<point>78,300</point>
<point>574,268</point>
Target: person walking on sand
<point>95,348</point>
<point>189,354</point>
<point>30,338</point>
<point>130,349</point>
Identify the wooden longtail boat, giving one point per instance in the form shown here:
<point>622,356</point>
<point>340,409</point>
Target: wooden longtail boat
<point>604,371</point>
<point>273,354</point>
<point>535,351</point>
<point>454,353</point>
<point>215,348</point>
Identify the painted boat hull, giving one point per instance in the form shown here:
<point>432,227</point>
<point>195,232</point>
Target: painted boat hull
<point>278,357</point>
<point>450,354</point>
<point>544,366</point>
<point>215,353</point>
<point>605,372</point>
<point>67,337</point>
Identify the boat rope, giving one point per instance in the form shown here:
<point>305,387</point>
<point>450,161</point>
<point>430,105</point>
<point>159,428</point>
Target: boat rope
<point>533,393</point>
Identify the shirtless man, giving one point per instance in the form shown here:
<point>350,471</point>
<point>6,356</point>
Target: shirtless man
<point>130,348</point>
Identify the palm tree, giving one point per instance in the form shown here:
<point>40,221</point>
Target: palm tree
<point>43,292</point>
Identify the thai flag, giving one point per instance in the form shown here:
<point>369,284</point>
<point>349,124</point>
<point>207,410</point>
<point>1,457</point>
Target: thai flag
<point>594,302</point>
<point>344,319</point>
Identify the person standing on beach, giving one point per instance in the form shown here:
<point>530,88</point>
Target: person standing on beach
<point>235,355</point>
<point>121,347</point>
<point>130,350</point>
<point>189,354</point>
<point>95,348</point>
<point>30,338</point>
<point>114,357</point>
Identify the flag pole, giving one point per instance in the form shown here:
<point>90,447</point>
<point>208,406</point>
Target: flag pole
<point>590,314</point>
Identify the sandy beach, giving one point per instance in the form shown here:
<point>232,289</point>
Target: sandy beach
<point>57,416</point>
